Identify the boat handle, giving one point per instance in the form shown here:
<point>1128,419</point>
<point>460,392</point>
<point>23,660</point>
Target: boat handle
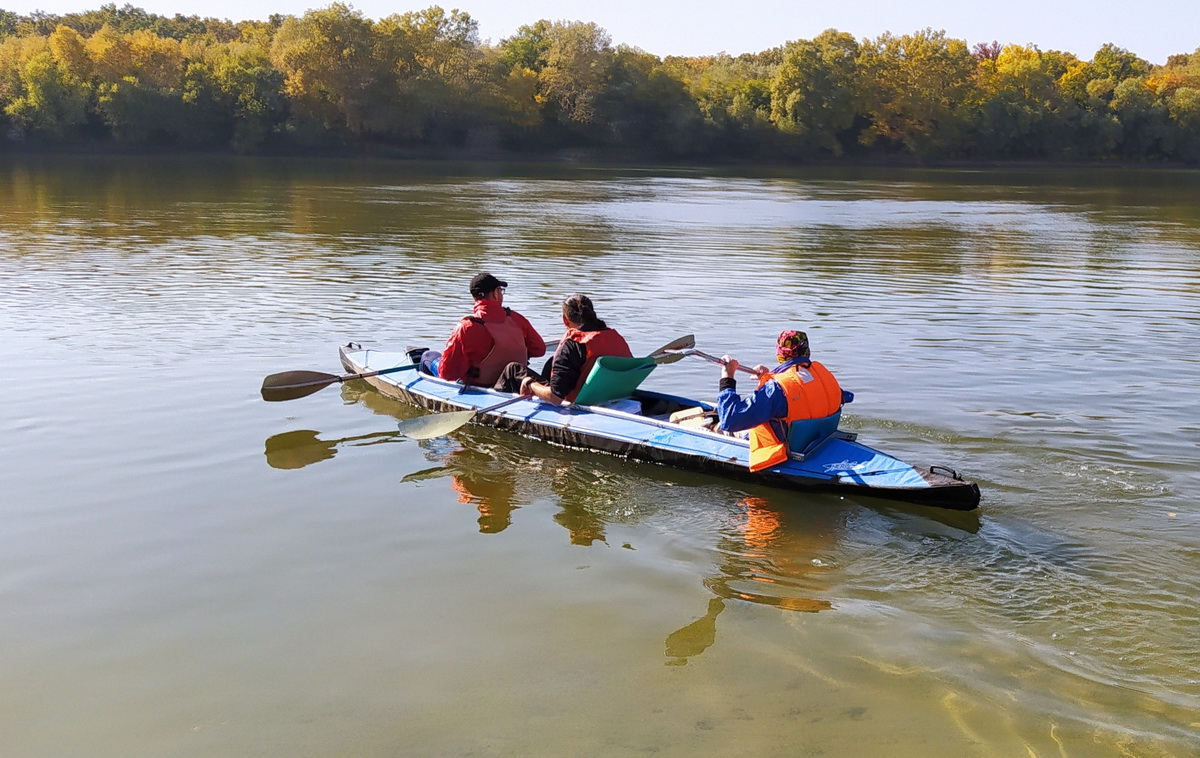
<point>945,471</point>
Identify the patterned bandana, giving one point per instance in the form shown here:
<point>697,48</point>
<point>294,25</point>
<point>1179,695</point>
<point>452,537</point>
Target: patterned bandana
<point>792,345</point>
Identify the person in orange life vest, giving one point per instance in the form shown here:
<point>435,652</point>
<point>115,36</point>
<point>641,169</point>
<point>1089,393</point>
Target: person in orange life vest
<point>587,339</point>
<point>493,336</point>
<point>799,388</point>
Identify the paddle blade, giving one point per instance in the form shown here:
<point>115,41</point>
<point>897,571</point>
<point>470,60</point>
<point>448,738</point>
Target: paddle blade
<point>279,394</point>
<point>662,360</point>
<point>434,425</point>
<point>681,343</point>
<point>292,379</point>
<point>290,385</point>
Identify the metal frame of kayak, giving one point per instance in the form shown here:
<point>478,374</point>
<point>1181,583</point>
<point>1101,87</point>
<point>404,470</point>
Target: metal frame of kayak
<point>839,464</point>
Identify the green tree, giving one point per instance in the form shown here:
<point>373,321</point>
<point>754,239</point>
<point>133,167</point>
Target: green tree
<point>578,61</point>
<point>915,89</point>
<point>1117,63</point>
<point>734,98</point>
<point>441,87</point>
<point>648,109</point>
<point>1184,110</point>
<point>527,48</point>
<point>436,43</point>
<point>233,96</point>
<point>816,93</point>
<point>8,23</point>
<point>244,75</point>
<point>50,101</point>
<point>329,68</point>
<point>1021,111</point>
<point>1144,118</point>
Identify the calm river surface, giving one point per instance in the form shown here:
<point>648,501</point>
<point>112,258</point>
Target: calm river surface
<point>186,570</point>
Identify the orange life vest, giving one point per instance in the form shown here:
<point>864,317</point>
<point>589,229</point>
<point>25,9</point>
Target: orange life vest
<point>508,346</point>
<point>599,344</point>
<point>818,397</point>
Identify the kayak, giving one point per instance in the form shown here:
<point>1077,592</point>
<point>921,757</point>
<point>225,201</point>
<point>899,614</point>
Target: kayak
<point>667,429</point>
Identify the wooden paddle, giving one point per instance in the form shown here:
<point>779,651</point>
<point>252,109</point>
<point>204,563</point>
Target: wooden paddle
<point>289,385</point>
<point>438,424</point>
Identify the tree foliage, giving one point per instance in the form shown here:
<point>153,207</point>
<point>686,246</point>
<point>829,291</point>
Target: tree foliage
<point>816,92</point>
<point>424,80</point>
<point>915,90</point>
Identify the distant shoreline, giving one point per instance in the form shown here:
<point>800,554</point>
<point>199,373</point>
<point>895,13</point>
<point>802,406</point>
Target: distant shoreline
<point>565,158</point>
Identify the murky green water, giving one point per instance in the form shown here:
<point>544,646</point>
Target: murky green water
<point>188,571</point>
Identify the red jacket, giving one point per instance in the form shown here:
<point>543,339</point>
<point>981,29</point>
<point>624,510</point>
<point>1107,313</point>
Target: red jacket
<point>470,342</point>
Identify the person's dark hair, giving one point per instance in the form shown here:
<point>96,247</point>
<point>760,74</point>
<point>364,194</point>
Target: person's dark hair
<point>578,309</point>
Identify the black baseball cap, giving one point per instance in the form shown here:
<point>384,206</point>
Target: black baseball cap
<point>485,283</point>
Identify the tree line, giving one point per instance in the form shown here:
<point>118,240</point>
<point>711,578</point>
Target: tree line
<point>423,80</point>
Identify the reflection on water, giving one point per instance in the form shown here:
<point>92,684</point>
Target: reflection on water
<point>483,476</point>
<point>770,562</point>
<point>478,479</point>
<point>302,447</point>
<point>763,561</point>
<point>765,558</point>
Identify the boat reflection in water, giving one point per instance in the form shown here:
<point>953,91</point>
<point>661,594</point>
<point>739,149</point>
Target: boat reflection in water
<point>767,558</point>
<point>479,479</point>
<point>302,447</point>
<point>482,476</point>
<point>775,548</point>
<point>765,561</point>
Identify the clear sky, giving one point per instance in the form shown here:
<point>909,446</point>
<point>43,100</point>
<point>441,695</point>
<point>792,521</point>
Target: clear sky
<point>1153,29</point>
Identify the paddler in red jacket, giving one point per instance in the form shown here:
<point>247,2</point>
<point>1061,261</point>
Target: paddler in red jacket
<point>587,339</point>
<point>489,339</point>
<point>799,389</point>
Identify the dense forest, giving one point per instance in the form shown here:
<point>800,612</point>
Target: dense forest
<point>423,83</point>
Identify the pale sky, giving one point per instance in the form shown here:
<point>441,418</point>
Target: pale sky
<point>1152,29</point>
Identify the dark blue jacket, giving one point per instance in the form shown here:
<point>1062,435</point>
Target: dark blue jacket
<point>764,404</point>
<point>767,403</point>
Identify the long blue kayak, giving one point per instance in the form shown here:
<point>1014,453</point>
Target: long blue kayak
<point>640,427</point>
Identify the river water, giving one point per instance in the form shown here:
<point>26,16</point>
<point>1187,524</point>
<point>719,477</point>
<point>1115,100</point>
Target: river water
<point>186,570</point>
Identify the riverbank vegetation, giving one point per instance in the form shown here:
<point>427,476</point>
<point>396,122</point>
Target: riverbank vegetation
<point>423,82</point>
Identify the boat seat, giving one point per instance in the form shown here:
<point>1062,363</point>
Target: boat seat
<point>695,418</point>
<point>806,434</point>
<point>613,378</point>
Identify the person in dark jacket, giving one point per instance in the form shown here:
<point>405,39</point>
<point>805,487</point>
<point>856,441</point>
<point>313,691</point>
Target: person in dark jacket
<point>587,338</point>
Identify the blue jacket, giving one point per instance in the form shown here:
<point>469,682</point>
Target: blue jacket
<point>766,403</point>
